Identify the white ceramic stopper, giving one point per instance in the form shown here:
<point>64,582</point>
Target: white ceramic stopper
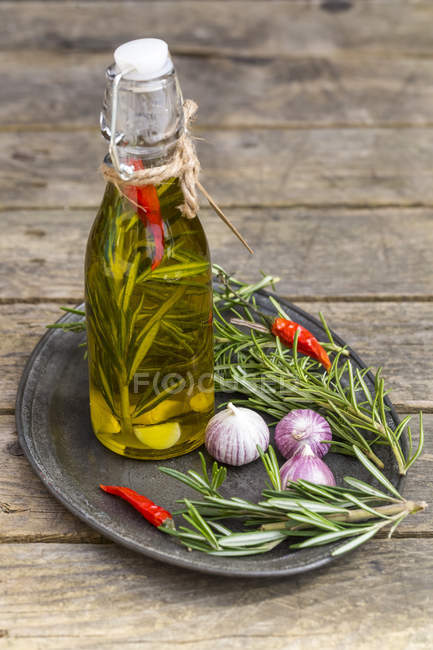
<point>147,58</point>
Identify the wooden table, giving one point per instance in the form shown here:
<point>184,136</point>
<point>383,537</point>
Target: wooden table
<point>316,119</point>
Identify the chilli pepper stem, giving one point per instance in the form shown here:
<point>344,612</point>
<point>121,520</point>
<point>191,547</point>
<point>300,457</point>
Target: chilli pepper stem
<point>251,325</point>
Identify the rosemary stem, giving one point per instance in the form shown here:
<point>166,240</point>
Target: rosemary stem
<point>357,515</point>
<point>333,347</point>
<point>376,460</point>
<point>125,410</point>
<point>399,457</point>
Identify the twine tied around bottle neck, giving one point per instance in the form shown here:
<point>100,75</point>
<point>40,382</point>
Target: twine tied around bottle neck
<point>183,165</point>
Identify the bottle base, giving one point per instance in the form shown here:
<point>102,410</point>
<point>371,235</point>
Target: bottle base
<point>149,454</point>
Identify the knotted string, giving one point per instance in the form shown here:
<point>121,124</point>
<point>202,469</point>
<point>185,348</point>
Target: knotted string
<point>183,164</point>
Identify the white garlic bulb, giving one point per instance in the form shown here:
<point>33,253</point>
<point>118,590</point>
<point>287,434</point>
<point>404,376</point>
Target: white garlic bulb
<point>232,435</point>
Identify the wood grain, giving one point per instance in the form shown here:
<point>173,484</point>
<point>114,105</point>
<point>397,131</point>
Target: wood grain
<point>394,336</point>
<point>62,596</point>
<point>41,88</point>
<point>317,253</point>
<point>338,167</point>
<point>235,28</point>
<point>43,252</point>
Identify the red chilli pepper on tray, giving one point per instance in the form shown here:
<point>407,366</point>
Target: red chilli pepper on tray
<point>286,329</point>
<point>154,514</point>
<point>145,198</point>
<point>283,329</point>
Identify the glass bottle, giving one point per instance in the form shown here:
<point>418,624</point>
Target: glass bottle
<point>148,278</point>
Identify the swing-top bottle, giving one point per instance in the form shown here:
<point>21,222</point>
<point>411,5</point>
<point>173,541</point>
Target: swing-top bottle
<point>148,275</point>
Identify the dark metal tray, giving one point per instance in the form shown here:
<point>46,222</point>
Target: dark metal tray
<point>55,433</point>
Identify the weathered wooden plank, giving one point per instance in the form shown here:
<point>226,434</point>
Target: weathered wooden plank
<point>393,335</point>
<point>236,28</point>
<point>43,87</point>
<point>22,325</point>
<point>356,167</point>
<point>72,596</point>
<point>44,248</point>
<point>28,513</point>
<point>317,253</point>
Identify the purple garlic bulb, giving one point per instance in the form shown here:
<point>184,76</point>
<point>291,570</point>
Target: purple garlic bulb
<point>306,466</point>
<point>232,435</point>
<point>301,428</point>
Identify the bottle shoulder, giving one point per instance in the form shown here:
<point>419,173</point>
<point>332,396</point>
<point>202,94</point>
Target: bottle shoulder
<point>146,221</point>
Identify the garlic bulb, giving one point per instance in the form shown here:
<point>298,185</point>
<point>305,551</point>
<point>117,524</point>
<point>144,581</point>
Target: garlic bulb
<point>232,435</point>
<point>300,428</point>
<point>307,466</point>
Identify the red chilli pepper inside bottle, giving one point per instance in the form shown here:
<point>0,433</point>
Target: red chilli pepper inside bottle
<point>146,199</point>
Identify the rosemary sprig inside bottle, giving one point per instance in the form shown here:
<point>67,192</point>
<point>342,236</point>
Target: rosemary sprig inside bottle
<point>304,515</point>
<point>149,331</point>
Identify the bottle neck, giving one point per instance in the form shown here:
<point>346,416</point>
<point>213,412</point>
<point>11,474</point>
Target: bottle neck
<point>137,161</point>
<point>149,118</point>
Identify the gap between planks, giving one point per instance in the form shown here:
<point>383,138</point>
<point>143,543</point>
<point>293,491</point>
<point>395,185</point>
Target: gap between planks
<point>252,56</point>
<point>276,126</point>
<point>344,205</point>
<point>295,298</point>
<point>103,541</point>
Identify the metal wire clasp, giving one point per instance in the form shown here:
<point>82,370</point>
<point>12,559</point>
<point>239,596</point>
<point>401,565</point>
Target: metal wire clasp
<point>124,171</point>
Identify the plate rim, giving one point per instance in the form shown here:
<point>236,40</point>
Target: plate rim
<point>184,563</point>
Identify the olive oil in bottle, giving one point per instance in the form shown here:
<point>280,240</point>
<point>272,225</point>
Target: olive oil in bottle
<point>148,278</point>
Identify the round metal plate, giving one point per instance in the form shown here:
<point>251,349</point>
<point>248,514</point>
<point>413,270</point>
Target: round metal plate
<point>55,433</point>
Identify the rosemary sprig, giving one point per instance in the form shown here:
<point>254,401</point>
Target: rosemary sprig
<point>318,515</point>
<point>276,380</point>
<point>75,326</point>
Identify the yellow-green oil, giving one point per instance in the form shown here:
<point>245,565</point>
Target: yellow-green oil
<point>150,345</point>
